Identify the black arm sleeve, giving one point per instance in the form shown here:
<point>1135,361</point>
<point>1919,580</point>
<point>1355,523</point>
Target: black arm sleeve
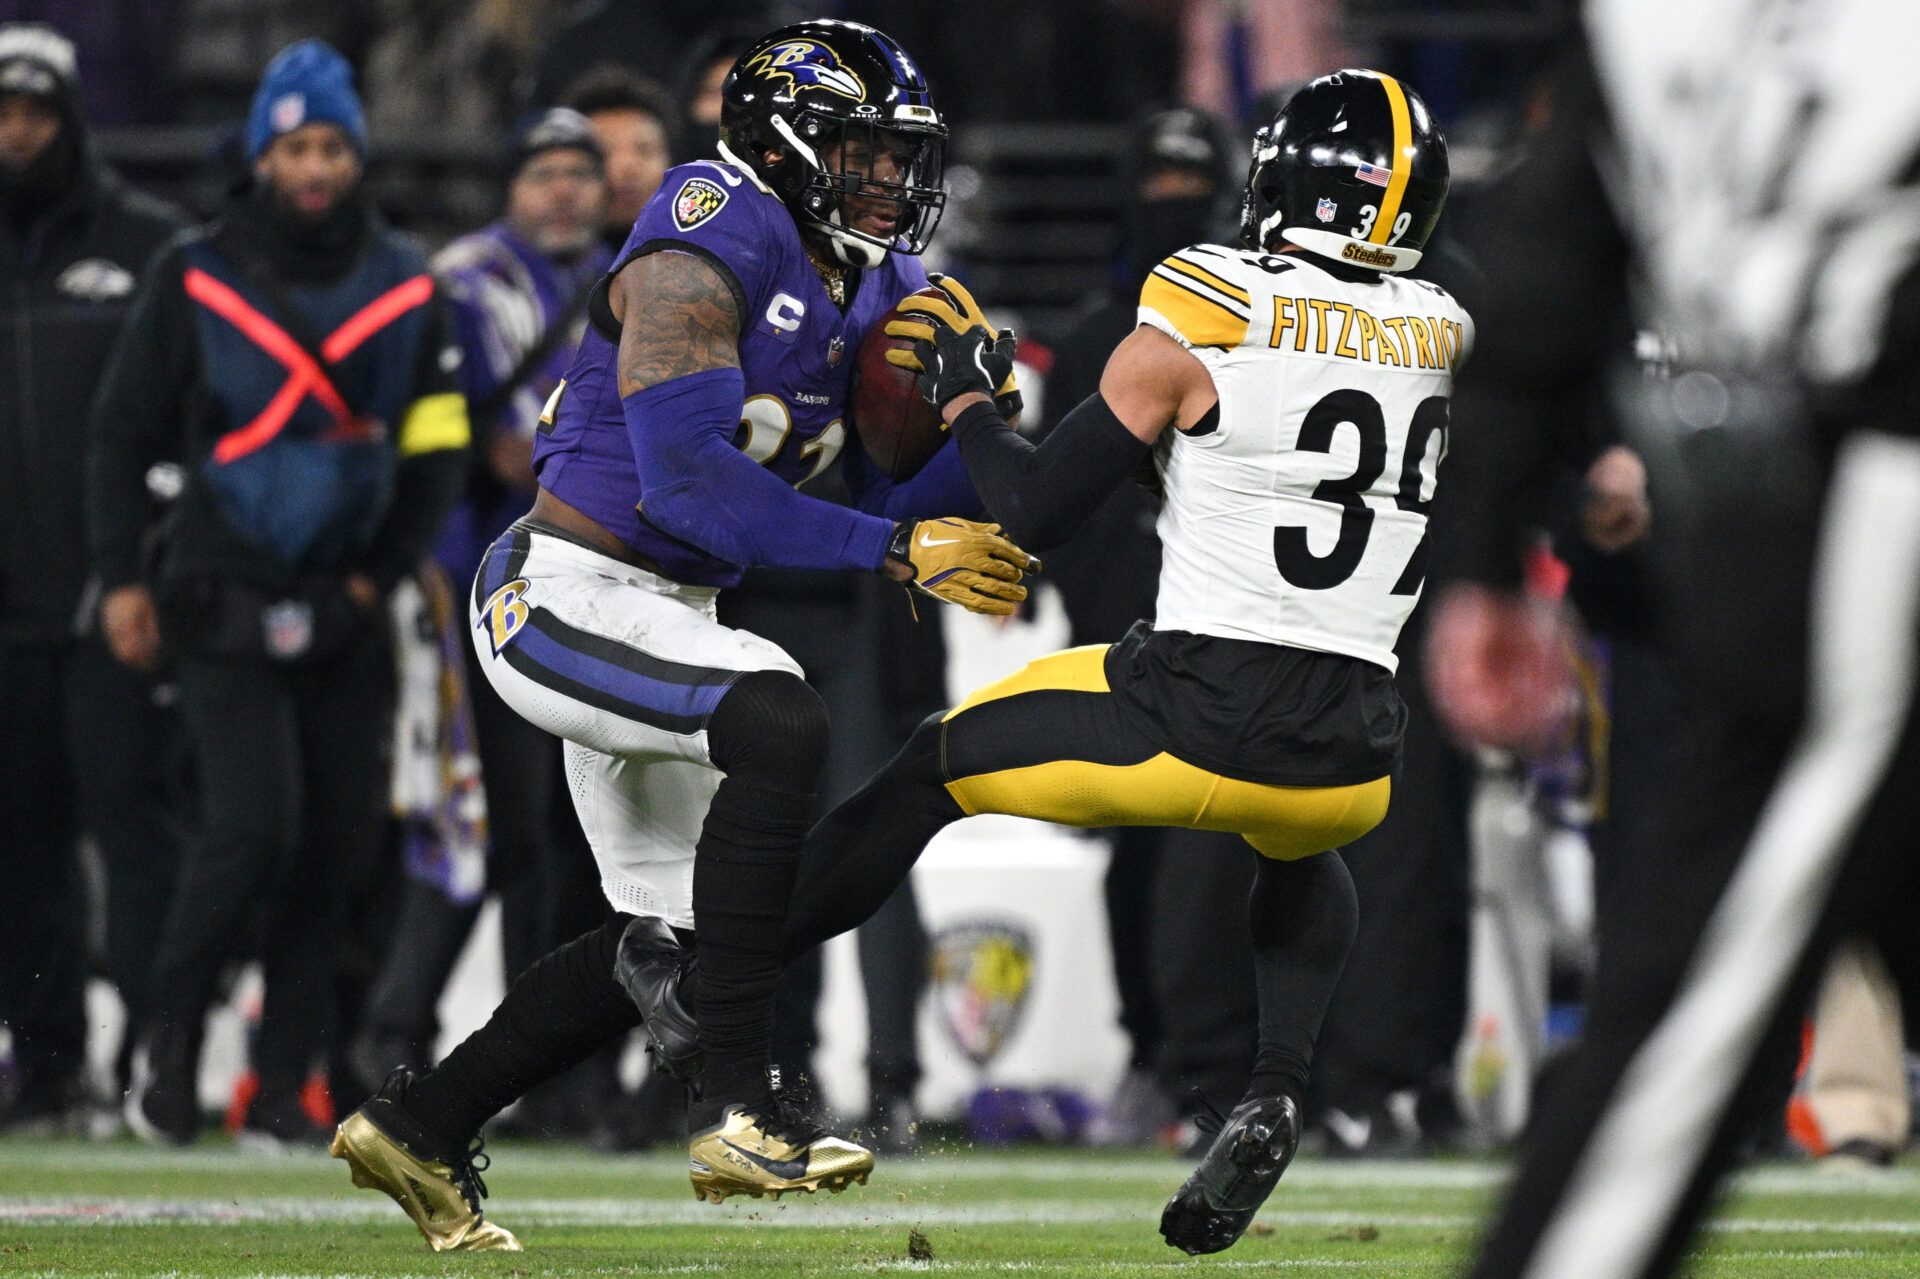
<point>426,485</point>
<point>1041,495</point>
<point>1556,319</point>
<point>139,417</point>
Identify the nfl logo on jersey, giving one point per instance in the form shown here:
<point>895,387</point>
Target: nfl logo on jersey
<point>1324,210</point>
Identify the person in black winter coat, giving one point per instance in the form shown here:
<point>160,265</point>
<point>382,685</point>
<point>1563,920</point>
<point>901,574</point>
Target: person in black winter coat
<point>73,239</point>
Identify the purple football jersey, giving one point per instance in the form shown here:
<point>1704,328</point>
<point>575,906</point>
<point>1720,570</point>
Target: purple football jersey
<point>796,353</point>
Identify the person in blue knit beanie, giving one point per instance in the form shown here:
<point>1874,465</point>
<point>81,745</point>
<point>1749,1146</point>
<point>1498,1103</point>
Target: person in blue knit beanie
<point>306,83</point>
<point>306,133</point>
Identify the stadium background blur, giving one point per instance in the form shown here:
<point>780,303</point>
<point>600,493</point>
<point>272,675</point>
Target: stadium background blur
<point>1477,897</point>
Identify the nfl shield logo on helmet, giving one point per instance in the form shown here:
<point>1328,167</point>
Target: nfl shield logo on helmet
<point>698,200</point>
<point>1324,210</point>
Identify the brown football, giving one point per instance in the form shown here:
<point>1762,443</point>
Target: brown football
<point>899,429</point>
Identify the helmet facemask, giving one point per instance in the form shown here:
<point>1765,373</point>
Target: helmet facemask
<point>1259,217</point>
<point>870,185</point>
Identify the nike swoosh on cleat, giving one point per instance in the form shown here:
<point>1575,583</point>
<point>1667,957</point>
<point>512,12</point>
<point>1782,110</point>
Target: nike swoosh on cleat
<point>788,1169</point>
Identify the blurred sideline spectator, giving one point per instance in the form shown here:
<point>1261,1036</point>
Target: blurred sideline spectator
<point>1396,1016</point>
<point>446,64</point>
<point>73,239</point>
<point>1855,1087</point>
<point>294,355</point>
<point>518,290</point>
<point>122,47</point>
<point>636,124</point>
<point>703,72</point>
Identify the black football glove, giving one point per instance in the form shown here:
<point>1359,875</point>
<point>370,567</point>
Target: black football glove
<point>924,315</point>
<point>954,364</point>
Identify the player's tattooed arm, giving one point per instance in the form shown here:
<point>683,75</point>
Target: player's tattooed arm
<point>678,315</point>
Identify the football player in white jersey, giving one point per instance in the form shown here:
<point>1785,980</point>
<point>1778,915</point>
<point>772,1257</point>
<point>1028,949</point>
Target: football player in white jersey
<point>1292,394</point>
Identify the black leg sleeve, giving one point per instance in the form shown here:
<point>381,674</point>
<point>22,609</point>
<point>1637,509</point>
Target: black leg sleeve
<point>769,735</point>
<point>1303,915</point>
<point>555,1015</point>
<point>1128,891</point>
<point>857,855</point>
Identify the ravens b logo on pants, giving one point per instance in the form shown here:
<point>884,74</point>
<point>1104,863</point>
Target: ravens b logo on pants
<point>505,613</point>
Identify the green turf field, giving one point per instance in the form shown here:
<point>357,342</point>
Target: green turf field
<point>71,1210</point>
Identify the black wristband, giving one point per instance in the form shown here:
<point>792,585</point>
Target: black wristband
<point>900,545</point>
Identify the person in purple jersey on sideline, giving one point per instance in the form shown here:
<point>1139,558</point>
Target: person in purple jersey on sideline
<point>518,289</point>
<point>712,381</point>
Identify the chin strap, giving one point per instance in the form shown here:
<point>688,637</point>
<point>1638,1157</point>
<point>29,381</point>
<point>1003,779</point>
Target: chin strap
<point>851,251</point>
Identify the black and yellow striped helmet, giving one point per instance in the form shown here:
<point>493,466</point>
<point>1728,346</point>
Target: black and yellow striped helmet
<point>1354,168</point>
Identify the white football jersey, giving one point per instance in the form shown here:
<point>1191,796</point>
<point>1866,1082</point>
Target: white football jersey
<point>1301,517</point>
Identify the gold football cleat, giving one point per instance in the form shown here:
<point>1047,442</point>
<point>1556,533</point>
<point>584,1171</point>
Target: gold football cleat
<point>443,1201</point>
<point>748,1153</point>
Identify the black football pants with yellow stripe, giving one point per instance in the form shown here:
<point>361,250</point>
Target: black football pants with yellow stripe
<point>1051,742</point>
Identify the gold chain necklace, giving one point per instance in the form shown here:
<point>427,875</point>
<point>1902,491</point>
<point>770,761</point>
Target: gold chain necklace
<point>834,277</point>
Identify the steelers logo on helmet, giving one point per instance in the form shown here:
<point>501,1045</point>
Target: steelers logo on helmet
<point>836,121</point>
<point>1353,168</point>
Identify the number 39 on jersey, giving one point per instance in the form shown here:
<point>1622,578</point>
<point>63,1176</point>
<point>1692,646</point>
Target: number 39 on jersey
<point>1301,517</point>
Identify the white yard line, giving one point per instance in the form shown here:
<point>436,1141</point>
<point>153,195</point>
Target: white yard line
<point>832,1214</point>
<point>944,1168</point>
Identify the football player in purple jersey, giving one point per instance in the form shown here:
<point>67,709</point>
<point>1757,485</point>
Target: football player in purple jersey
<point>712,381</point>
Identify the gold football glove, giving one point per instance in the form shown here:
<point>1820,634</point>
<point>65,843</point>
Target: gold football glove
<point>963,563</point>
<point>960,315</point>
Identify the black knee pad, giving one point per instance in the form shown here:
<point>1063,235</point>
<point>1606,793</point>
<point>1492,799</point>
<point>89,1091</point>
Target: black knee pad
<point>770,726</point>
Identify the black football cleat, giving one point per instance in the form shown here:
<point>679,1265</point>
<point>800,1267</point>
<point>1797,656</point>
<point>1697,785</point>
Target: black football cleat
<point>653,967</point>
<point>163,1103</point>
<point>276,1122</point>
<point>1215,1206</point>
